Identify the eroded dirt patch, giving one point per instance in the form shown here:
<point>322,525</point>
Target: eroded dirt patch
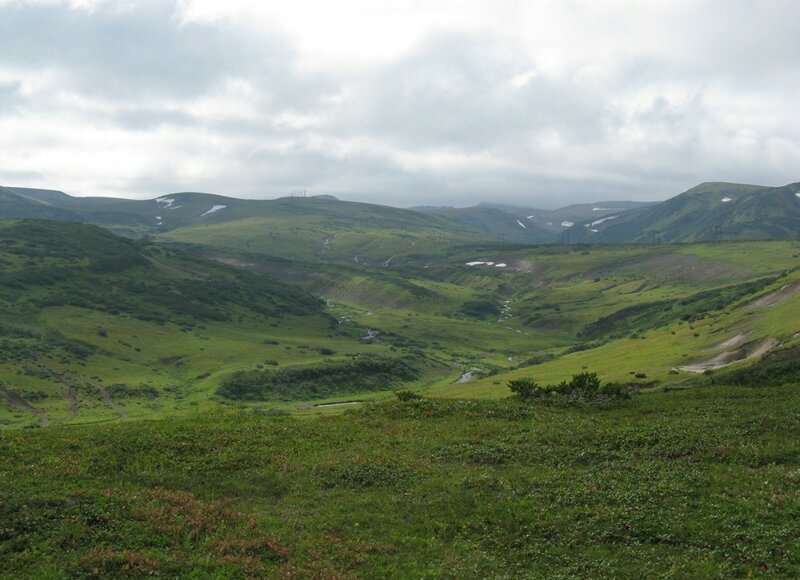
<point>14,399</point>
<point>782,294</point>
<point>110,402</point>
<point>726,358</point>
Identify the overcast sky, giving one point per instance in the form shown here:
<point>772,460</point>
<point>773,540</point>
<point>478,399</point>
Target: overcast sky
<point>538,103</point>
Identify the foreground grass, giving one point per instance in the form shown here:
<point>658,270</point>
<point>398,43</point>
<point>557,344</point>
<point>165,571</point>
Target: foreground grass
<point>699,482</point>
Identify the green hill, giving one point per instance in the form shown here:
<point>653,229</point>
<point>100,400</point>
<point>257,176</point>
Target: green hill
<point>507,226</point>
<point>15,203</point>
<point>95,327</point>
<point>708,212</point>
<point>324,228</point>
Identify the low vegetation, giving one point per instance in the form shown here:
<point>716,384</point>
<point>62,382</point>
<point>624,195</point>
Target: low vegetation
<point>359,374</point>
<point>779,367</point>
<point>692,483</point>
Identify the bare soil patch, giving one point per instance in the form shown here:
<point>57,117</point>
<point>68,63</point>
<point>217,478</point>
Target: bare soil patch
<point>726,358</point>
<point>774,298</point>
<point>110,402</point>
<point>14,399</point>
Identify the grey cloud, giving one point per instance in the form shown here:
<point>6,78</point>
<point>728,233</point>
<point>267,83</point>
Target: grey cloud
<point>149,118</point>
<point>124,51</point>
<point>11,178</point>
<point>556,138</point>
<point>456,90</point>
<point>8,97</point>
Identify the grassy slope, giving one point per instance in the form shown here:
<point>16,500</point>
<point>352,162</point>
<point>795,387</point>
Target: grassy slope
<point>654,351</point>
<point>552,294</point>
<point>320,238</point>
<point>750,213</point>
<point>82,310</point>
<point>697,483</point>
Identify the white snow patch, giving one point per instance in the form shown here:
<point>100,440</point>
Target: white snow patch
<point>214,208</point>
<point>594,230</point>
<point>158,217</point>
<point>533,217</point>
<point>500,265</point>
<point>726,199</point>
<point>522,225</point>
<point>474,263</point>
<point>168,201</point>
<point>598,222</point>
<point>797,194</point>
<point>566,224</point>
<point>601,209</point>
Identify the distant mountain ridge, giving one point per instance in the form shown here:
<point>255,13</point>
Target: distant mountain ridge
<point>708,212</point>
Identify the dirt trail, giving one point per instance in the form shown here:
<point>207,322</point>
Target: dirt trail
<point>71,395</point>
<point>773,298</point>
<point>14,399</point>
<point>110,402</point>
<point>726,358</point>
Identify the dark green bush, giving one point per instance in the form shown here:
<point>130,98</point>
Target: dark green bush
<point>362,373</point>
<point>524,388</point>
<point>585,388</point>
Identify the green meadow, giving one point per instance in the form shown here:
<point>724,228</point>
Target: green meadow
<point>690,483</point>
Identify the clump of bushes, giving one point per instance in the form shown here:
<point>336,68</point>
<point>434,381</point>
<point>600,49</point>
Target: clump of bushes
<point>538,359</point>
<point>407,396</point>
<point>583,387</point>
<point>360,374</point>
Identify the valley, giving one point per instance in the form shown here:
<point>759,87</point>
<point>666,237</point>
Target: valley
<point>324,390</point>
<point>101,328</point>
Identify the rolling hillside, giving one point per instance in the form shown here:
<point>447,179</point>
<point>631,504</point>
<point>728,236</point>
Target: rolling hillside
<point>325,228</point>
<point>706,213</point>
<point>97,327</point>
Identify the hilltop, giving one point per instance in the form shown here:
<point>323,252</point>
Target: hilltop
<point>706,213</point>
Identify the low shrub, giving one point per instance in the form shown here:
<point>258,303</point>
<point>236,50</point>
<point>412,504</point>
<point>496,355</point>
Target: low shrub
<point>585,388</point>
<point>408,396</point>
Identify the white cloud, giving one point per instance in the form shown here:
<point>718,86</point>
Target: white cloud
<point>538,102</point>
